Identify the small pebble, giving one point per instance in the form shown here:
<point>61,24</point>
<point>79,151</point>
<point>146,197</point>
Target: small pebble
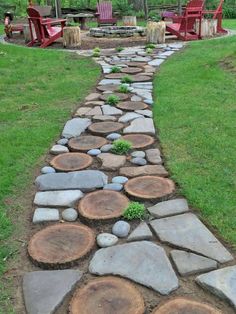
<point>138,161</point>
<point>94,152</point>
<point>106,148</point>
<point>106,239</point>
<point>113,136</point>
<point>121,229</point>
<point>138,153</point>
<point>113,186</point>
<point>120,180</point>
<point>59,149</point>
<point>69,214</point>
<point>47,169</point>
<point>62,141</point>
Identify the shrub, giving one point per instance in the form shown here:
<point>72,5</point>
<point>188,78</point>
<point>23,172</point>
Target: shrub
<point>115,69</point>
<point>123,89</point>
<point>119,49</point>
<point>149,50</point>
<point>112,100</point>
<point>97,49</point>
<point>150,46</point>
<point>96,52</point>
<point>126,80</point>
<point>135,210</point>
<point>121,147</point>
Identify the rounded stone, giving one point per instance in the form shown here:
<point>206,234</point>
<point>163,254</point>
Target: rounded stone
<point>183,305</point>
<point>106,239</point>
<point>47,169</point>
<point>69,214</point>
<point>62,141</point>
<point>138,161</point>
<point>138,153</point>
<point>121,229</point>
<point>106,148</point>
<point>113,186</point>
<point>94,152</point>
<point>120,179</point>
<point>113,136</point>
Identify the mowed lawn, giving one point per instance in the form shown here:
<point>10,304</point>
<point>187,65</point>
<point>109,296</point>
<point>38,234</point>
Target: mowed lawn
<point>195,112</point>
<point>39,90</point>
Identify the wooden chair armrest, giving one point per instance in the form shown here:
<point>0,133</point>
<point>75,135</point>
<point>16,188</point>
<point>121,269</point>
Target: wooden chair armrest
<point>53,21</point>
<point>96,14</point>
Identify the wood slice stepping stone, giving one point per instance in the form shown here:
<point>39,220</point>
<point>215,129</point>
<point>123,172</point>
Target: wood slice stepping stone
<point>139,140</point>
<point>61,245</point>
<point>103,204</point>
<point>114,76</point>
<point>183,306</point>
<point>104,88</point>
<point>107,295</point>
<point>149,187</point>
<point>121,96</point>
<point>131,70</point>
<point>85,143</point>
<point>132,105</point>
<point>136,64</point>
<point>105,127</point>
<point>71,161</point>
<point>141,78</point>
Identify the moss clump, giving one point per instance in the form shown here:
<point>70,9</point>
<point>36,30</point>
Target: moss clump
<point>135,210</point>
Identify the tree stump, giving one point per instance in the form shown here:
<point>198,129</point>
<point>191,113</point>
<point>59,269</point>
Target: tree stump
<point>71,37</point>
<point>129,20</point>
<point>208,27</point>
<point>26,31</point>
<point>156,32</point>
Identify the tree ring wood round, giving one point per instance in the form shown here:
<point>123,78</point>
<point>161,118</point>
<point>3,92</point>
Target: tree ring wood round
<point>139,140</point>
<point>136,64</point>
<point>115,76</point>
<point>85,143</point>
<point>141,78</point>
<point>107,295</point>
<point>102,205</point>
<point>132,105</point>
<point>132,70</point>
<point>105,127</point>
<point>71,161</point>
<point>149,187</point>
<point>104,88</point>
<point>121,96</point>
<point>61,245</point>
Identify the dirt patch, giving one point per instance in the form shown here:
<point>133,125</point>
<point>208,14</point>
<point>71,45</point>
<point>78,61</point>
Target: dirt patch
<point>229,64</point>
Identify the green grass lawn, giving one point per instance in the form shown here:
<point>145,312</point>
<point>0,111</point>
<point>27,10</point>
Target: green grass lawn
<point>39,89</point>
<point>195,112</point>
<point>230,23</point>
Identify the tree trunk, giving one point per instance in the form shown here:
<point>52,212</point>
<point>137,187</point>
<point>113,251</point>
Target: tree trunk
<point>145,6</point>
<point>71,37</point>
<point>156,32</point>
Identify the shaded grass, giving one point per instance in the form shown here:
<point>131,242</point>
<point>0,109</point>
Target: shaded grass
<point>230,23</point>
<point>39,89</point>
<point>195,111</point>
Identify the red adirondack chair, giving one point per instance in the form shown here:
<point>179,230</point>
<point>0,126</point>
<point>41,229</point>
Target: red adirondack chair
<point>217,14</point>
<point>183,26</point>
<point>45,32</point>
<point>104,14</point>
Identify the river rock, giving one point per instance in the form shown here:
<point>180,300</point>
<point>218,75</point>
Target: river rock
<point>106,148</point>
<point>94,152</point>
<point>120,179</point>
<point>58,149</point>
<point>121,229</point>
<point>113,136</point>
<point>69,214</point>
<point>138,154</point>
<point>138,161</point>
<point>47,169</point>
<point>113,187</point>
<point>106,239</point>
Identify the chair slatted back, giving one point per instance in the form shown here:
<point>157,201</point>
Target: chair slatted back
<point>105,10</point>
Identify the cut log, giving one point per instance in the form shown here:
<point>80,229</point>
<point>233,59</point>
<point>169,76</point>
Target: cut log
<point>105,127</point>
<point>71,37</point>
<point>208,27</point>
<point>107,295</point>
<point>129,20</point>
<point>156,32</point>
<point>139,140</point>
<point>132,105</point>
<point>85,143</point>
<point>71,161</point>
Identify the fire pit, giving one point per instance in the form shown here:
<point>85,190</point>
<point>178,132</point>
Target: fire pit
<point>118,31</point>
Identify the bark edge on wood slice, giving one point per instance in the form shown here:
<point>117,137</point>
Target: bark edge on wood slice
<point>71,162</point>
<point>107,295</point>
<point>60,246</point>
<point>102,205</point>
<point>87,142</point>
<point>149,187</point>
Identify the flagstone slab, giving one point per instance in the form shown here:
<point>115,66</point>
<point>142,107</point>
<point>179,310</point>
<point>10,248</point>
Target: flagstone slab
<point>111,110</point>
<point>75,127</point>
<point>139,140</point>
<point>44,291</point>
<point>131,172</point>
<point>45,215</point>
<point>140,125</point>
<point>149,187</point>
<point>92,96</point>
<point>169,208</point>
<point>109,82</point>
<point>142,232</point>
<point>107,295</point>
<point>115,76</point>
<point>129,116</point>
<point>119,95</point>
<point>185,306</point>
<point>143,262</point>
<point>104,118</point>
<point>146,113</point>
<point>102,205</point>
<point>61,245</point>
<point>94,111</point>
<point>111,161</point>
<point>103,128</point>
<point>85,143</point>
<point>156,62</point>
<point>221,282</point>
<point>153,156</point>
<point>84,180</point>
<point>188,232</point>
<point>131,105</point>
<point>58,198</point>
<point>189,263</point>
<point>71,161</point>
<point>136,64</point>
<point>94,103</point>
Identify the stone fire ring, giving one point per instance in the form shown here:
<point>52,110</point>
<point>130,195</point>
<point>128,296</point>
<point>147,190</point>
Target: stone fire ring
<point>118,31</point>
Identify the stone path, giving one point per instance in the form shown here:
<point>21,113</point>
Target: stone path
<point>83,192</point>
